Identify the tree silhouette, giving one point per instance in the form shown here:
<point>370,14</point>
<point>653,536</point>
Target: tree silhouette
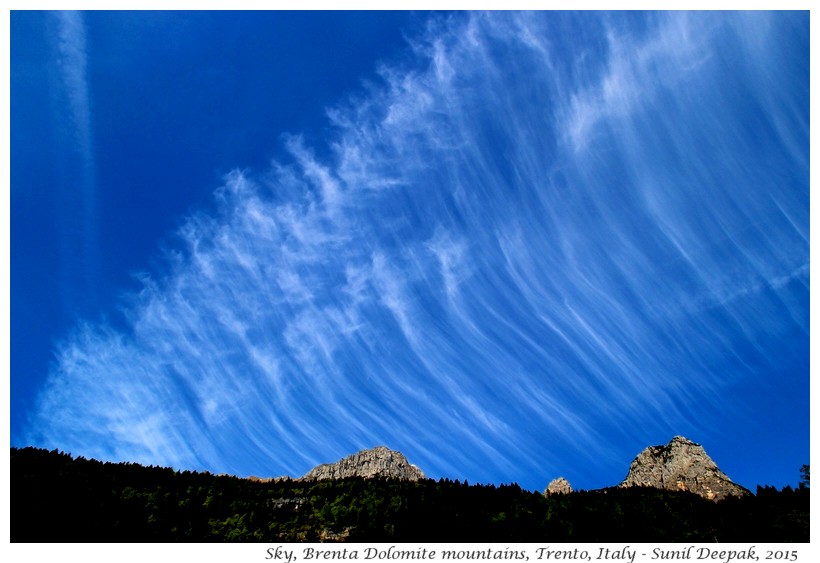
<point>804,476</point>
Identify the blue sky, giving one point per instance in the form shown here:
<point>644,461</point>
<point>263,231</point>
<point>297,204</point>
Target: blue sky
<point>512,246</point>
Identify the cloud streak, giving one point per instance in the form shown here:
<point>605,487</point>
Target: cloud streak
<point>504,277</point>
<point>79,220</point>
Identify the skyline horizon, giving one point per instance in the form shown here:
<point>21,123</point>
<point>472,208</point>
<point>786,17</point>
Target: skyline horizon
<point>448,477</point>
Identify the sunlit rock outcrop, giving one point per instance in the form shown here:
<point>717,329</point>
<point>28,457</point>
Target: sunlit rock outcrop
<point>377,462</point>
<point>681,465</point>
<point>558,486</point>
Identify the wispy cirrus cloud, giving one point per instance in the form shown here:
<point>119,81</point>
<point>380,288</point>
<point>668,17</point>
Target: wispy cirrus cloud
<point>79,254</point>
<point>502,277</point>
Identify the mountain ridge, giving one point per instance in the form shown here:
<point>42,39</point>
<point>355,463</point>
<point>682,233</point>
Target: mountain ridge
<point>58,498</point>
<point>679,465</point>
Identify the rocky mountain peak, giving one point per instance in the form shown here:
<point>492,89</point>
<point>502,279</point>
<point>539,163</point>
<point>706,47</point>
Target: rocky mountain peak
<point>681,465</point>
<point>558,486</point>
<point>377,462</point>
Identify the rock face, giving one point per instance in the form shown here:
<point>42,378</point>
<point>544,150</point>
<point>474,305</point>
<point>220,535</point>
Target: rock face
<point>681,465</point>
<point>558,486</point>
<point>378,462</point>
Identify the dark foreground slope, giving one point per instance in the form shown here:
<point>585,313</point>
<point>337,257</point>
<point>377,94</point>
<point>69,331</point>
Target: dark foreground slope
<point>56,498</point>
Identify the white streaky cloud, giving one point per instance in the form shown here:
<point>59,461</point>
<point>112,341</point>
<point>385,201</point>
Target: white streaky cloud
<point>636,72</point>
<point>537,232</point>
<point>71,45</point>
<point>451,254</point>
<point>76,185</point>
<point>388,282</point>
<point>329,187</point>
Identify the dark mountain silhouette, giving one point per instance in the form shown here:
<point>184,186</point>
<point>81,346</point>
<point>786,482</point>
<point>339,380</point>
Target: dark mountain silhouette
<point>57,498</point>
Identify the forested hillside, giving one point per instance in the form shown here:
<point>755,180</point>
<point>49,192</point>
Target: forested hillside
<point>57,498</point>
